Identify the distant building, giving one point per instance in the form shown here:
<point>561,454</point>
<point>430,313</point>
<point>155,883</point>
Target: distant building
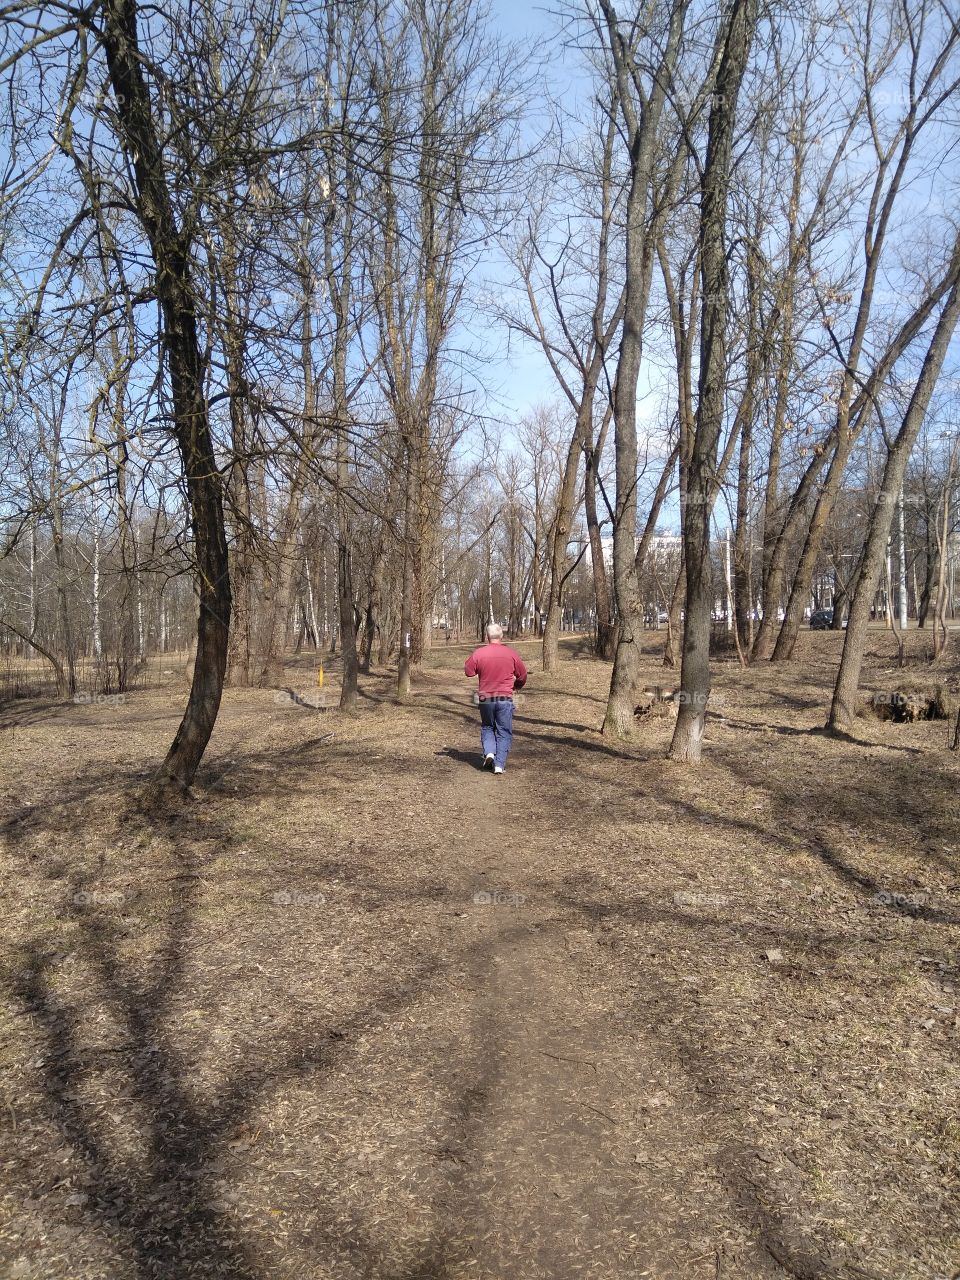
<point>666,542</point>
<point>661,544</point>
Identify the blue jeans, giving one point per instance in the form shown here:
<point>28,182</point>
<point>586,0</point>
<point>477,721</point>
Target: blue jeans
<point>496,729</point>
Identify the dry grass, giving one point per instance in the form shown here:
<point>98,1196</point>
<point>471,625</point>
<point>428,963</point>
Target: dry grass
<point>709,1029</point>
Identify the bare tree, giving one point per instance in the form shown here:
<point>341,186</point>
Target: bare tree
<point>445,154</point>
<point>891,44</point>
<point>844,697</point>
<point>644,59</point>
<point>734,42</point>
<point>940,636</point>
<point>573,308</point>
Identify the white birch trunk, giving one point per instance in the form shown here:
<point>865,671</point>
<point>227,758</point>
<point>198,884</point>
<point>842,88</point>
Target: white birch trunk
<point>97,634</point>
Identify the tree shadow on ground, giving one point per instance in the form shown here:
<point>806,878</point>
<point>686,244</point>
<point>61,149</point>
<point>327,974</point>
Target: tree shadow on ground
<point>181,1137</point>
<point>811,731</point>
<point>877,808</point>
<point>594,745</point>
<point>539,691</point>
<point>157,1199</point>
<point>20,714</point>
<point>470,716</point>
<point>580,646</point>
<point>744,1168</point>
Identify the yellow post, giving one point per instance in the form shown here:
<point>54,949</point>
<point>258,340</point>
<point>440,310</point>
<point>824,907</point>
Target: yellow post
<point>320,676</point>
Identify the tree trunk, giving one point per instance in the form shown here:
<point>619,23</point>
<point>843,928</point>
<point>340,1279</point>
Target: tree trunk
<point>278,594</point>
<point>559,539</point>
<point>238,494</point>
<point>348,627</point>
<point>742,591</point>
<point>34,594</point>
<point>64,616</point>
<point>700,488</point>
<point>940,633</point>
<point>128,556</point>
<point>241,575</point>
<point>388,633</point>
<point>606,630</point>
<point>97,636</point>
<point>671,647</point>
<point>640,250</point>
<point>407,603</point>
<point>931,563</point>
<point>803,578</point>
<point>191,427</point>
<point>840,598</point>
<point>776,549</point>
<point>373,609</point>
<point>843,707</point>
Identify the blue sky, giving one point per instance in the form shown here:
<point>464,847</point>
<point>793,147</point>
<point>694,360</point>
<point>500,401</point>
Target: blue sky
<point>522,378</point>
<point>517,18</point>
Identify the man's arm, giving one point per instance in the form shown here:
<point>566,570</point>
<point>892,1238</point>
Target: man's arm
<point>470,666</point>
<point>519,672</point>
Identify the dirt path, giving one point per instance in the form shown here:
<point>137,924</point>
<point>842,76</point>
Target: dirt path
<point>563,1169</point>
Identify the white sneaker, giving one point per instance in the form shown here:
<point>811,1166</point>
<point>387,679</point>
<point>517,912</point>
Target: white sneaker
<point>488,761</point>
<point>497,769</point>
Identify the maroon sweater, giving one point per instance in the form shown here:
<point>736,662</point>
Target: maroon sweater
<point>499,667</point>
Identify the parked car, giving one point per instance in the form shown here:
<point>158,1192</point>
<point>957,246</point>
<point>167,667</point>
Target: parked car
<point>821,620</point>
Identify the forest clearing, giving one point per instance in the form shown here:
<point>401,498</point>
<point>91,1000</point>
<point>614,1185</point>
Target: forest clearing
<point>359,1009</point>
<point>336,337</point>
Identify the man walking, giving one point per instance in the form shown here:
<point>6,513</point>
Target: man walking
<point>501,670</point>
